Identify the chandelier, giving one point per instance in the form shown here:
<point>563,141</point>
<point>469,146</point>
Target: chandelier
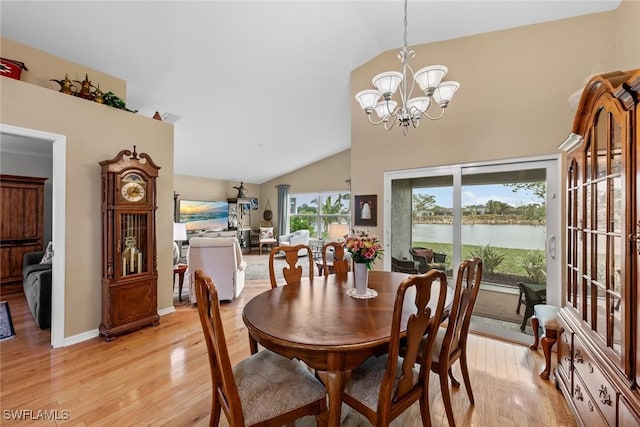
<point>410,109</point>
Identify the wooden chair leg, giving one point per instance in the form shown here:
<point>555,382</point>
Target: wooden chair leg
<point>465,376</point>
<point>216,407</point>
<point>446,398</point>
<point>535,325</point>
<point>425,410</point>
<point>548,341</point>
<point>454,381</point>
<point>322,419</point>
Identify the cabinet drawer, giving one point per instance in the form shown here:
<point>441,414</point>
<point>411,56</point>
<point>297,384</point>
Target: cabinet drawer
<point>565,344</point>
<point>601,390</point>
<point>586,406</point>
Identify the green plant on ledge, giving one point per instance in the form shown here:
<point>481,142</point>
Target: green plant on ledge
<point>112,100</point>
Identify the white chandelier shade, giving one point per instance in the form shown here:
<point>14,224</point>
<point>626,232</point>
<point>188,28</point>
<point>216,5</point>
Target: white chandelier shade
<point>444,93</point>
<point>384,109</point>
<point>410,110</point>
<point>428,78</point>
<point>387,83</point>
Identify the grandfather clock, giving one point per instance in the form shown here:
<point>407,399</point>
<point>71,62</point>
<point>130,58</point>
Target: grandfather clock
<point>129,274</point>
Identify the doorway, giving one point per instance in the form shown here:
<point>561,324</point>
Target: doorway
<point>58,215</point>
<point>506,212</point>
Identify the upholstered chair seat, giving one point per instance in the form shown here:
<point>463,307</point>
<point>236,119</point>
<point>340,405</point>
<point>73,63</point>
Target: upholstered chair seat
<point>270,385</point>
<point>366,380</point>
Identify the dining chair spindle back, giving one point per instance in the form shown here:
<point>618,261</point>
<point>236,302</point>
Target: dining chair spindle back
<point>385,386</point>
<point>340,263</point>
<point>263,390</point>
<point>292,272</point>
<point>451,343</point>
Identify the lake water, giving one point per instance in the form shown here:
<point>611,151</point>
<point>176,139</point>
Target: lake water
<point>498,236</point>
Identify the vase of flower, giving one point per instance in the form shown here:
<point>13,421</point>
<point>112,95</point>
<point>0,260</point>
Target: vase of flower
<point>364,250</point>
<point>361,277</point>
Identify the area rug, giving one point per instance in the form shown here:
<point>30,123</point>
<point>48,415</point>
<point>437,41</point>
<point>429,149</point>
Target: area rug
<point>498,305</point>
<point>6,324</point>
<point>258,267</point>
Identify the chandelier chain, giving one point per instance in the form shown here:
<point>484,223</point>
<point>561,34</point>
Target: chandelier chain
<point>405,25</point>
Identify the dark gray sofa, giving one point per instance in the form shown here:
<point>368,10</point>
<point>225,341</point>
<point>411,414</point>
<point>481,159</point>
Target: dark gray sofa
<point>36,282</point>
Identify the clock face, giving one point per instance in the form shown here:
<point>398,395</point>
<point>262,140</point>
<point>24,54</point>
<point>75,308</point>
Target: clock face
<point>132,191</point>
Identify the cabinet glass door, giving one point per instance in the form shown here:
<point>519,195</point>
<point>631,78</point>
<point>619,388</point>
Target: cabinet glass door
<point>596,282</point>
<point>133,246</point>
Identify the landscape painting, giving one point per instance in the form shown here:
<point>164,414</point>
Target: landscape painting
<point>199,215</point>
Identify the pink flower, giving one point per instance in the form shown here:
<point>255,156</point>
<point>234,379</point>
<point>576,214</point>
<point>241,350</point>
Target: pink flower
<point>364,248</point>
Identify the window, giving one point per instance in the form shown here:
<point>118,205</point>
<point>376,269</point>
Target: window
<point>315,211</point>
<point>506,212</point>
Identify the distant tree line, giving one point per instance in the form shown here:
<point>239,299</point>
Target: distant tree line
<point>425,209</point>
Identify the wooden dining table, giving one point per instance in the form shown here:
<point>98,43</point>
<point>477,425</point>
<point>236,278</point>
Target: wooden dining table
<point>317,322</point>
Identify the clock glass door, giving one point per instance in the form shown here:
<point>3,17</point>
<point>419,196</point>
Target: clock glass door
<point>133,243</point>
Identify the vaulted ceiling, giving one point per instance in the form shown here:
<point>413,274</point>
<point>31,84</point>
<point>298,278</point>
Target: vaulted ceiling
<point>259,88</point>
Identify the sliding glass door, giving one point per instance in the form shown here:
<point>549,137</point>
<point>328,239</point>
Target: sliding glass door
<point>507,213</point>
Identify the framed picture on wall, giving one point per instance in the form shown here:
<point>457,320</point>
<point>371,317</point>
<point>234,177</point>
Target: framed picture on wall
<point>254,203</point>
<point>366,210</point>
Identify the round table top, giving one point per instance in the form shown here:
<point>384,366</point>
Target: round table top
<point>318,314</point>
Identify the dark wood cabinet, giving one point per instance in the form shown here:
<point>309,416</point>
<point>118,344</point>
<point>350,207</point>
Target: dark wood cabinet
<point>22,223</point>
<point>598,355</point>
<point>129,264</point>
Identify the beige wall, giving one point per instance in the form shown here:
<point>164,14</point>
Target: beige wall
<point>94,133</point>
<point>627,35</point>
<point>513,96</point>
<point>43,67</point>
<point>330,174</point>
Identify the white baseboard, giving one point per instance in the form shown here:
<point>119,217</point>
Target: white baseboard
<point>84,336</point>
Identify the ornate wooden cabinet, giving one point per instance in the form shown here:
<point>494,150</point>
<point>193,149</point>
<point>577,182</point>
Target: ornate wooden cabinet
<point>598,354</point>
<point>21,227</point>
<point>129,272</point>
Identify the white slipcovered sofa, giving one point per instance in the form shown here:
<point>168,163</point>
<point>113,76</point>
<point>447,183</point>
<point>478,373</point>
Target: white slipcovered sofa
<point>300,237</point>
<point>221,259</point>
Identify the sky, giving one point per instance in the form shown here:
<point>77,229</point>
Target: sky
<point>480,195</point>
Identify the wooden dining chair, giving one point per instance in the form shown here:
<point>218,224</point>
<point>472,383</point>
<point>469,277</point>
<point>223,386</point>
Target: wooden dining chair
<point>292,272</point>
<point>451,342</point>
<point>265,389</point>
<point>340,264</point>
<point>385,386</point>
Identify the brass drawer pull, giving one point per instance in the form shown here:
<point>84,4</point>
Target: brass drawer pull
<point>605,396</point>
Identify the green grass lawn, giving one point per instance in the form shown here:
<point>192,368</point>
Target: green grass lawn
<point>510,264</point>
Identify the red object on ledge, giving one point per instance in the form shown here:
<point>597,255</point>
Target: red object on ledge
<point>11,68</point>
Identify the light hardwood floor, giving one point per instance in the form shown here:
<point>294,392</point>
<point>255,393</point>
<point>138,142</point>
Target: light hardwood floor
<point>159,376</point>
